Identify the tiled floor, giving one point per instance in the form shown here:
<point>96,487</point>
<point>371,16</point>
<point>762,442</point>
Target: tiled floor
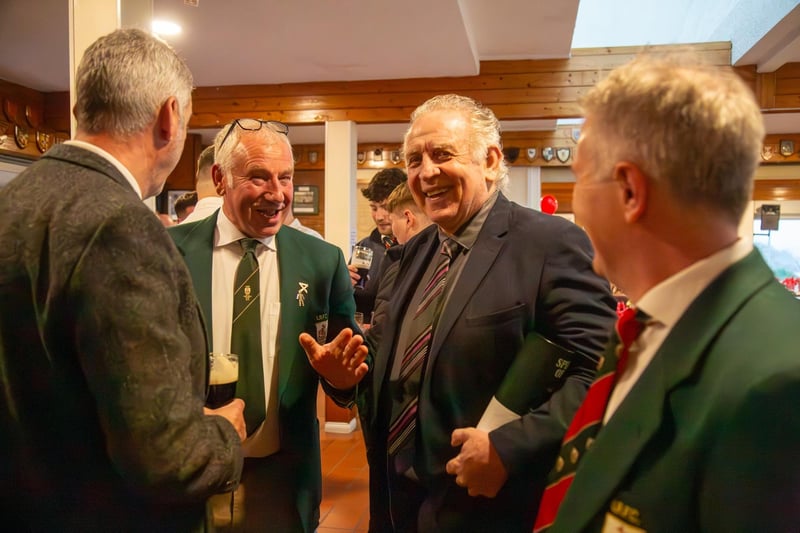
<point>345,484</point>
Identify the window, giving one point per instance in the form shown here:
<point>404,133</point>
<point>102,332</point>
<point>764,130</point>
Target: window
<point>781,249</point>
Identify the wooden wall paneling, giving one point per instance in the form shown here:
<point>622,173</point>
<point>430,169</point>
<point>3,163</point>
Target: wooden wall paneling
<point>561,137</point>
<point>774,190</point>
<point>515,90</point>
<point>787,86</point>
<point>563,193</point>
<point>24,130</point>
<point>771,152</point>
<point>309,156</point>
<point>182,177</point>
<point>57,113</point>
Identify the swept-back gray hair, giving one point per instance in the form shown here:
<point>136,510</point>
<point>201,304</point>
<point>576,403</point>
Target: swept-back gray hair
<point>483,122</point>
<point>231,134</point>
<point>692,126</point>
<point>124,78</point>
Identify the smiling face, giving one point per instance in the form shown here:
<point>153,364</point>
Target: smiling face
<point>259,186</point>
<point>595,200</point>
<point>381,217</point>
<point>444,177</point>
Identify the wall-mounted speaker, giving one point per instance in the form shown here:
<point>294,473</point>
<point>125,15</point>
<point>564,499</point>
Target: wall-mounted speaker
<point>770,216</point>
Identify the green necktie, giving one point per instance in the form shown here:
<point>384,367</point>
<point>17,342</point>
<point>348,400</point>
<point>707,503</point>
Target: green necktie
<point>246,336</point>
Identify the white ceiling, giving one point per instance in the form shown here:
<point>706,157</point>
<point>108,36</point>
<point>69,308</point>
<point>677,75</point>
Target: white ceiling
<point>280,41</point>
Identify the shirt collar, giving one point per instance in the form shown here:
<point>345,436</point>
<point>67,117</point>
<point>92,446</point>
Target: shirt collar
<point>111,159</point>
<point>228,233</point>
<point>468,233</point>
<point>667,301</point>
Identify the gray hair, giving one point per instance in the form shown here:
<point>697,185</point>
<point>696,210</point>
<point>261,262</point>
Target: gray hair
<point>231,134</point>
<point>483,122</point>
<point>694,127</point>
<point>124,78</point>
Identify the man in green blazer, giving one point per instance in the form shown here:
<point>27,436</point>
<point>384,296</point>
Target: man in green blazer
<point>103,358</point>
<point>304,288</point>
<point>700,432</point>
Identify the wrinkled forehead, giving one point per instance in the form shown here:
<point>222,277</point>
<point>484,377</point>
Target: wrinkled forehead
<point>443,127</point>
<point>256,149</point>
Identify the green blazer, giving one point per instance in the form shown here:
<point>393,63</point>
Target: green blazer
<point>301,259</point>
<point>709,437</point>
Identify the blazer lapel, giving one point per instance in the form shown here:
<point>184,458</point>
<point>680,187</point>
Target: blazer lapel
<point>197,247</point>
<point>413,262</point>
<point>620,442</point>
<point>292,316</point>
<point>479,261</point>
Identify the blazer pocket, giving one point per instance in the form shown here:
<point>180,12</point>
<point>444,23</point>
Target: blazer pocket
<point>498,317</point>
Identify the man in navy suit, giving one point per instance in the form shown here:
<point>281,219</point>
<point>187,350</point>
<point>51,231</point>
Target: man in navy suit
<point>473,463</point>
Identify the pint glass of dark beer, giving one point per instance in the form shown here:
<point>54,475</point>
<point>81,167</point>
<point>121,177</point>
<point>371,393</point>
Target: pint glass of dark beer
<point>362,260</point>
<point>222,380</point>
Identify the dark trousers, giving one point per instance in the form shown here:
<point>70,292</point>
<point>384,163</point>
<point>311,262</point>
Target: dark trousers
<point>443,507</point>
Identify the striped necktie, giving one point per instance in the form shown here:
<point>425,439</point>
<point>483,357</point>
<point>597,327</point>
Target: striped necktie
<point>404,410</point>
<point>589,417</point>
<point>246,336</point>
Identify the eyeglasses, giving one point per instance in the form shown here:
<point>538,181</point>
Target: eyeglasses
<point>255,124</point>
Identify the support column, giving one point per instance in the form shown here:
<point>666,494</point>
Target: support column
<point>341,141</point>
<point>534,187</point>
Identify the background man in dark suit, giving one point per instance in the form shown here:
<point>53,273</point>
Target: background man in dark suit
<point>518,274</point>
<point>304,287</point>
<point>701,432</point>
<point>103,358</point>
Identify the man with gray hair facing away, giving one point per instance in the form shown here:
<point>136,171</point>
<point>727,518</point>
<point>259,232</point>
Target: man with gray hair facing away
<point>103,357</point>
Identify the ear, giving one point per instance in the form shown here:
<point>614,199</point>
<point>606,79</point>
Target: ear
<point>494,155</point>
<point>410,218</point>
<point>634,189</point>
<point>219,179</point>
<point>169,121</point>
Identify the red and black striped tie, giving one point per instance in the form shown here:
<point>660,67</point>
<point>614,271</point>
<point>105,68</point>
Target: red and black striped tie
<point>589,417</point>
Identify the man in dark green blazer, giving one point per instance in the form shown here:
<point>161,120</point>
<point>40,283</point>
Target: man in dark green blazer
<point>103,359</point>
<point>304,287</point>
<point>701,431</point>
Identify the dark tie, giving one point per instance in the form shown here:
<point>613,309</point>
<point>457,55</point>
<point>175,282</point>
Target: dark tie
<point>589,417</point>
<point>404,409</point>
<point>246,336</point>
<point>388,241</point>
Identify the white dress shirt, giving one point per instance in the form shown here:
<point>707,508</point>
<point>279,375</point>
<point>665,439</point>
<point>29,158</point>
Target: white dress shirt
<point>225,259</point>
<point>204,208</point>
<point>666,303</point>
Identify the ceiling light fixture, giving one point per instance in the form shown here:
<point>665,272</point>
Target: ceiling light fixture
<point>164,27</point>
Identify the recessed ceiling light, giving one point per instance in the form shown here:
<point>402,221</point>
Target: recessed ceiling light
<point>164,27</point>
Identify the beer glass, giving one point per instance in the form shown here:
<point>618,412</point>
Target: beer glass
<point>362,260</point>
<point>222,380</point>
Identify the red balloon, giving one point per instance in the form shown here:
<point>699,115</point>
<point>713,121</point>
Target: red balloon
<point>548,204</point>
